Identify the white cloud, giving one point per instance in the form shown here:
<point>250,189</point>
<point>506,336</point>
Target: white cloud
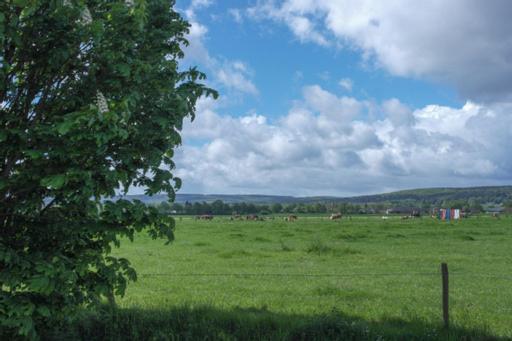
<point>465,43</point>
<point>326,145</point>
<point>301,26</point>
<point>195,5</point>
<point>235,75</point>
<point>346,83</point>
<point>236,14</point>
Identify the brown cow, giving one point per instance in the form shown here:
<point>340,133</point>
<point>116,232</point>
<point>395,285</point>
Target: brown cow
<point>291,217</point>
<point>252,217</point>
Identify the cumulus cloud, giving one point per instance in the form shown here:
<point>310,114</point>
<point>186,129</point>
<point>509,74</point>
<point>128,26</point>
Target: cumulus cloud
<point>326,144</point>
<point>331,144</point>
<point>464,43</point>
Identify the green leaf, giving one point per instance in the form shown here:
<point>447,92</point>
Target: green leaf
<point>54,181</point>
<point>34,154</point>
<point>39,283</point>
<point>177,183</point>
<point>65,127</point>
<point>124,69</point>
<point>21,3</point>
<point>43,311</point>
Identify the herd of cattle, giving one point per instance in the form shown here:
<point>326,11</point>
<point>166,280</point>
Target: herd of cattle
<point>293,217</point>
<point>254,217</point>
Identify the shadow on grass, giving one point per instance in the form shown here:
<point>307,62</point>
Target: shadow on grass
<point>206,323</point>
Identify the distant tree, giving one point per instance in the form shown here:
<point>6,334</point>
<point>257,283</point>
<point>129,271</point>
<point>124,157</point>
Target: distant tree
<point>289,208</point>
<point>264,209</point>
<point>197,208</point>
<point>276,208</point>
<point>164,207</point>
<point>177,207</point>
<point>91,103</point>
<point>251,208</point>
<point>217,207</point>
<point>475,206</point>
<point>243,208</point>
<point>188,208</point>
<point>425,206</point>
<point>507,205</point>
<point>342,208</point>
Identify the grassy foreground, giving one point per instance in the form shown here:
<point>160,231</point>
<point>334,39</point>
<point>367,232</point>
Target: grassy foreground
<point>315,279</point>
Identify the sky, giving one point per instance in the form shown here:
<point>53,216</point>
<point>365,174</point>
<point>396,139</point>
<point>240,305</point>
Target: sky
<point>348,97</point>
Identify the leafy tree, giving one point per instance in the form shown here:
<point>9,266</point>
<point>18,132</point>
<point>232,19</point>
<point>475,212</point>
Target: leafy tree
<point>319,208</point>
<point>251,208</point>
<point>197,208</point>
<point>178,208</point>
<point>475,206</point>
<point>91,103</point>
<point>425,206</point>
<point>217,207</point>
<point>289,208</point>
<point>164,207</point>
<point>276,208</point>
<point>188,208</point>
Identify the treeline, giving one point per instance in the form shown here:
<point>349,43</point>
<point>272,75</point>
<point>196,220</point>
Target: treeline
<point>493,194</point>
<point>219,207</point>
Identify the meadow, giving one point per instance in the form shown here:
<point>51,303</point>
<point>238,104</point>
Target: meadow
<point>363,278</point>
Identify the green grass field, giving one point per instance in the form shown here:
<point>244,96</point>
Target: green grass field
<point>315,279</point>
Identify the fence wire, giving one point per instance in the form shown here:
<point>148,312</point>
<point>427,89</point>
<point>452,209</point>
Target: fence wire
<point>346,275</point>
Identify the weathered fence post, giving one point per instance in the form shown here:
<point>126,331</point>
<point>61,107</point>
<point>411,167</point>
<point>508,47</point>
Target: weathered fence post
<point>444,275</point>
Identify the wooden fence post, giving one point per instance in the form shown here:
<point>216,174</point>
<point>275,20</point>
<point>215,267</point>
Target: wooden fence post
<point>444,275</point>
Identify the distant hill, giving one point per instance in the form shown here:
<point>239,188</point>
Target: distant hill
<point>226,198</point>
<point>489,194</point>
<point>496,194</point>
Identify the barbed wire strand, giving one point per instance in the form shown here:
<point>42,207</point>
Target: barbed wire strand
<point>319,275</point>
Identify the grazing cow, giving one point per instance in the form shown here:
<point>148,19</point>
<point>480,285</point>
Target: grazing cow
<point>291,217</point>
<point>252,217</point>
<point>404,217</point>
<point>496,215</point>
<point>335,216</point>
<point>385,217</point>
<point>204,217</point>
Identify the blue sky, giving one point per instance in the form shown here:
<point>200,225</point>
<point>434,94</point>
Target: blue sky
<point>282,64</point>
<point>346,97</point>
